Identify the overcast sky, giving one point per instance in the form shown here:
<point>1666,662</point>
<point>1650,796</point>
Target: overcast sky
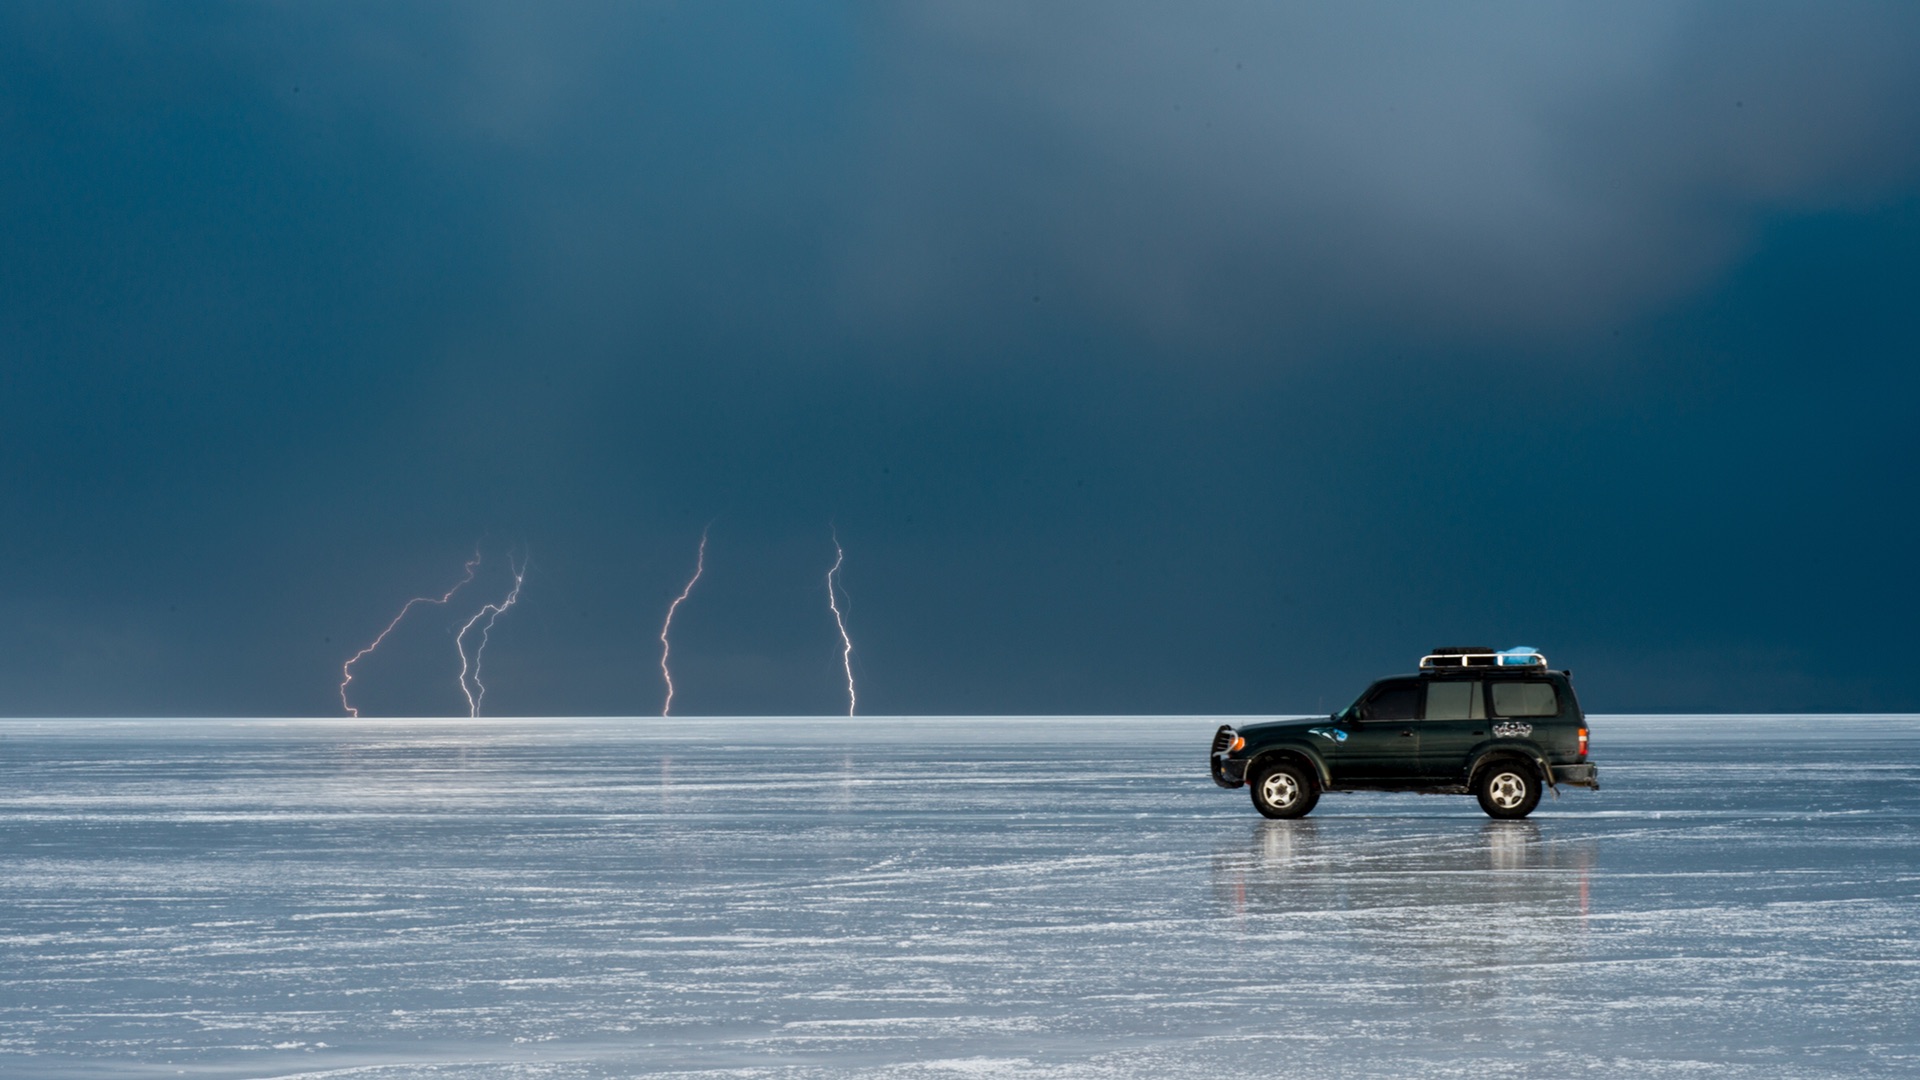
<point>1146,358</point>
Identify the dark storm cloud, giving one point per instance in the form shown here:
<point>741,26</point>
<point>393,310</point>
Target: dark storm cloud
<point>1496,171</point>
<point>1488,172</point>
<point>1145,359</point>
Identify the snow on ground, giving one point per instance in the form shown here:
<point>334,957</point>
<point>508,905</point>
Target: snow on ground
<point>938,897</point>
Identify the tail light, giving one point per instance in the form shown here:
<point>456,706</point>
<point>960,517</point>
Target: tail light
<point>1583,742</point>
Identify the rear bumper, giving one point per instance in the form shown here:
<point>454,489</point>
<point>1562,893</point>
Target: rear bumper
<point>1229,772</point>
<point>1584,775</point>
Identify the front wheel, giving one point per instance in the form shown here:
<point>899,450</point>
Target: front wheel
<point>1283,791</point>
<point>1507,789</point>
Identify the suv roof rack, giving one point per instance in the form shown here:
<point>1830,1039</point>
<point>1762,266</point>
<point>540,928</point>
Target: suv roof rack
<point>1458,657</point>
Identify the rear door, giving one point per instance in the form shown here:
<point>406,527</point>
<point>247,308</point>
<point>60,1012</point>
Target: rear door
<point>1529,709</point>
<point>1455,718</point>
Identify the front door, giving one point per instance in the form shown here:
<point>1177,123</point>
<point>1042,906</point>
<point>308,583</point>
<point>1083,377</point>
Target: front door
<point>1383,741</point>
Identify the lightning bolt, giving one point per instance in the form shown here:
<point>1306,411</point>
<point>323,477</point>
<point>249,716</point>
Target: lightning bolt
<point>699,567</point>
<point>839,620</point>
<point>346,669</point>
<point>478,691</point>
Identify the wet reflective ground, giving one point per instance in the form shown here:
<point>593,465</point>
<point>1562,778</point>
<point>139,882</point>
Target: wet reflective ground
<point>939,897</point>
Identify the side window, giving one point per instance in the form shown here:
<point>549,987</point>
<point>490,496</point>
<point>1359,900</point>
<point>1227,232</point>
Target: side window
<point>1525,699</point>
<point>1450,700</point>
<point>1393,701</point>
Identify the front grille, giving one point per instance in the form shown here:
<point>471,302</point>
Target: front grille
<point>1223,738</point>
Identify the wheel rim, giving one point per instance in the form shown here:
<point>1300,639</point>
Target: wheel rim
<point>1507,790</point>
<point>1280,790</point>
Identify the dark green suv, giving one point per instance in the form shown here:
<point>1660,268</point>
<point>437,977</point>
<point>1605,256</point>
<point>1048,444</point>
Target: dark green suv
<point>1499,725</point>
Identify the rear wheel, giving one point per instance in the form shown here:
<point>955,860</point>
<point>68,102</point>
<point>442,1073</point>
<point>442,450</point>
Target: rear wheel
<point>1283,790</point>
<point>1508,789</point>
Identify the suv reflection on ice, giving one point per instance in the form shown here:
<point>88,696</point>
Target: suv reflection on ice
<point>1498,725</point>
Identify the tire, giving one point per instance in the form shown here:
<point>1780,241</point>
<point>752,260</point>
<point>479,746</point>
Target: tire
<point>1507,789</point>
<point>1284,790</point>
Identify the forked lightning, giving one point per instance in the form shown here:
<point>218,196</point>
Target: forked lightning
<point>839,619</point>
<point>477,692</point>
<point>699,567</point>
<point>346,670</point>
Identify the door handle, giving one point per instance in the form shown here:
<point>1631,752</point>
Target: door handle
<point>1406,734</point>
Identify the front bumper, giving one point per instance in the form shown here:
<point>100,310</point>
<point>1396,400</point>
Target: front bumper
<point>1584,775</point>
<point>1229,772</point>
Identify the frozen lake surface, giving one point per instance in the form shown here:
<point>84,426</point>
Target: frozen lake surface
<point>1057,898</point>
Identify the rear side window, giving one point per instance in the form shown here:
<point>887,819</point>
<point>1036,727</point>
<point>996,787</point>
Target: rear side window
<point>1448,700</point>
<point>1525,699</point>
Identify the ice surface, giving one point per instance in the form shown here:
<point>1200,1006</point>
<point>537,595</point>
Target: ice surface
<point>938,898</point>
